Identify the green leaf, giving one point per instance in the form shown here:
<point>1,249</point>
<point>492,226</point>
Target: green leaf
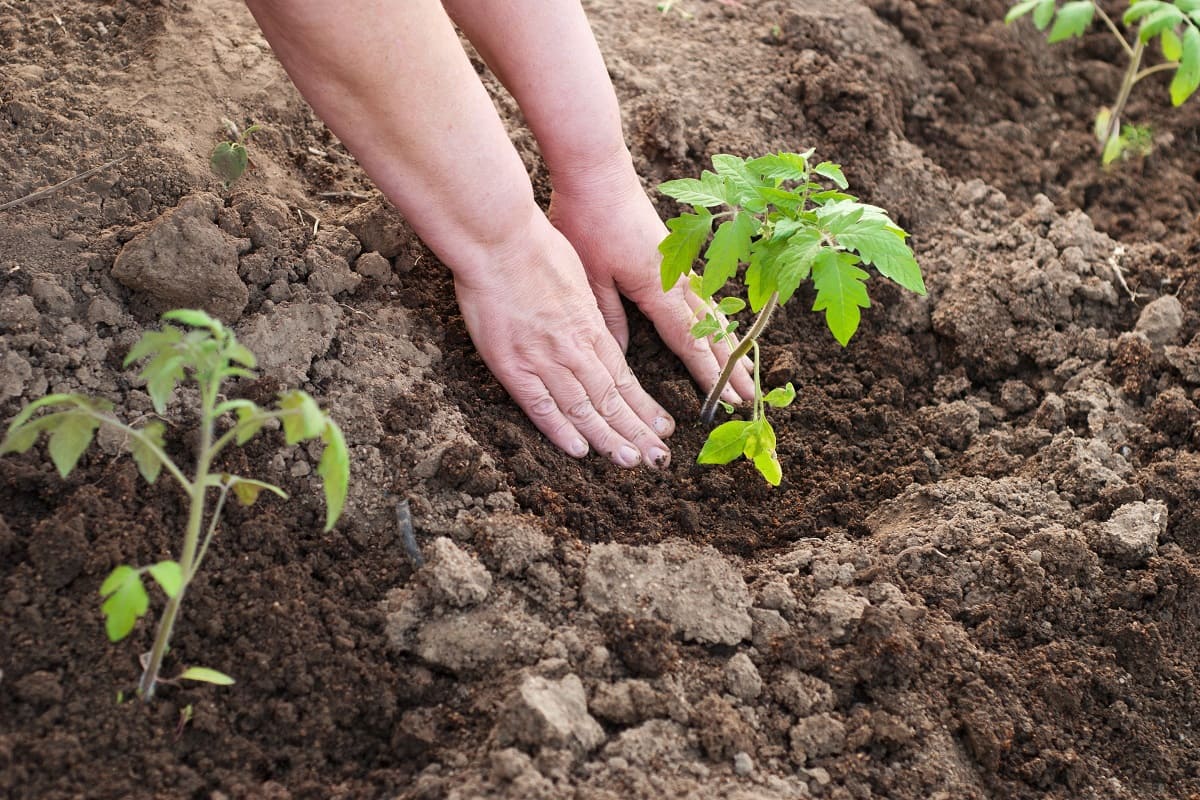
<point>247,490</point>
<point>1043,13</point>
<point>1141,8</point>
<point>706,327</point>
<point>168,575</point>
<point>761,438</point>
<point>767,463</point>
<point>883,245</point>
<point>781,397</point>
<point>334,468</point>
<point>127,601</point>
<point>1019,10</point>
<point>731,305</point>
<point>206,675</point>
<point>762,276</point>
<point>730,246</point>
<point>725,443</point>
<point>19,438</point>
<point>69,438</point>
<point>1158,21</point>
<point>49,400</point>
<point>833,172</point>
<point>838,216</point>
<point>147,460</point>
<point>1113,148</point>
<point>709,190</point>
<point>682,245</point>
<point>163,374</point>
<point>840,292</point>
<point>1187,76</point>
<point>302,418</point>
<point>793,263</point>
<point>196,319</point>
<point>250,421</point>
<point>1100,126</point>
<point>229,161</point>
<point>242,355</point>
<point>154,342</point>
<point>781,166</point>
<point>1172,47</point>
<point>1073,19</point>
<point>741,182</point>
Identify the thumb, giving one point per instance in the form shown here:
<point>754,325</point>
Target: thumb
<point>609,301</point>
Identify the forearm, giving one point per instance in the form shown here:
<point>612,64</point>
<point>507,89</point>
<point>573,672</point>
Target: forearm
<point>545,54</point>
<point>391,80</point>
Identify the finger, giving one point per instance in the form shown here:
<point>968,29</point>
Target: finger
<point>583,412</point>
<point>609,301</point>
<point>646,423</point>
<point>534,398</point>
<point>673,320</point>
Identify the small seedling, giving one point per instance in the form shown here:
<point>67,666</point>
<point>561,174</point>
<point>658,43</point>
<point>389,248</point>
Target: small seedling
<point>787,227</point>
<point>230,158</point>
<point>211,354</point>
<point>1175,24</point>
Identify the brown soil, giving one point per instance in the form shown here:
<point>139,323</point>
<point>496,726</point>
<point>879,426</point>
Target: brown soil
<point>979,578</point>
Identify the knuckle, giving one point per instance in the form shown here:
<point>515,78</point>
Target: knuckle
<point>580,410</point>
<point>543,406</point>
<point>611,401</point>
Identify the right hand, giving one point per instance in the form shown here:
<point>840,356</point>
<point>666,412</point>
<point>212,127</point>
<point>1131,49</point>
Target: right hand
<point>535,322</point>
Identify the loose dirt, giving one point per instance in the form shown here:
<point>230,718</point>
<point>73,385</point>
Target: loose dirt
<point>979,578</point>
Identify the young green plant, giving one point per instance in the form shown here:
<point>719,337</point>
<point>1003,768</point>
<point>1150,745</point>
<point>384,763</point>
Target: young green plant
<point>1176,26</point>
<point>230,158</point>
<point>778,219</point>
<point>210,353</point>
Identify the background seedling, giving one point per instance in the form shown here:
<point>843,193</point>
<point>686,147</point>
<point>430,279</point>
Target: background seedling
<point>230,158</point>
<point>787,227</point>
<point>1176,26</point>
<point>211,355</point>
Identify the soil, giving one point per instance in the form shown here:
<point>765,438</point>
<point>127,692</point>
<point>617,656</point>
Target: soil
<point>978,579</point>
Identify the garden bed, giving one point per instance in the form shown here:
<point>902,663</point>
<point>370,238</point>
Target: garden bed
<point>978,579</point>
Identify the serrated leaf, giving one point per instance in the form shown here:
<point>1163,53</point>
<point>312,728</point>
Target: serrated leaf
<point>241,354</point>
<point>334,469</point>
<point>168,575</point>
<point>730,246</point>
<point>781,396</point>
<point>781,198</point>
<point>838,216</point>
<point>229,161</point>
<point>710,190</point>
<point>1073,19</point>
<point>195,318</point>
<point>841,292</point>
<point>1187,76</point>
<point>884,246</point>
<point>762,276</point>
<point>69,438</point>
<point>1158,21</point>
<point>725,443</point>
<point>49,400</point>
<point>250,421</point>
<point>705,327</point>
<point>781,166</point>
<point>147,460</point>
<point>1140,9</point>
<point>302,418</point>
<point>162,374</point>
<point>1172,46</point>
<point>1019,10</point>
<point>741,183</point>
<point>153,342</point>
<point>833,172</point>
<point>731,305</point>
<point>793,263</point>
<point>1042,14</point>
<point>126,601</point>
<point>206,675</point>
<point>682,245</point>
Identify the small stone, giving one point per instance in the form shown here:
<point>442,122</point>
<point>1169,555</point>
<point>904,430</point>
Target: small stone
<point>377,268</point>
<point>840,610</point>
<point>743,764</point>
<point>18,313</point>
<point>1131,535</point>
<point>742,679</point>
<point>1161,320</point>
<point>546,713</point>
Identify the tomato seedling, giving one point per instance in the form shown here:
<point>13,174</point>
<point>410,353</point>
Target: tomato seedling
<point>786,227</point>
<point>230,158</point>
<point>211,354</point>
<point>1175,24</point>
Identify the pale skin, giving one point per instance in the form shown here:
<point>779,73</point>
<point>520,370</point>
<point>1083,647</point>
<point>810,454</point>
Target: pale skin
<point>539,291</point>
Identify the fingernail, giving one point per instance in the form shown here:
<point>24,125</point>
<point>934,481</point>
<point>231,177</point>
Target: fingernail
<point>628,456</point>
<point>579,448</point>
<point>659,458</point>
<point>662,425</point>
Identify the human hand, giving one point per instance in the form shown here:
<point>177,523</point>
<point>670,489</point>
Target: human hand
<point>535,322</point>
<point>615,230</point>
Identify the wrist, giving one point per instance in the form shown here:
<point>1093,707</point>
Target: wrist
<point>597,175</point>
